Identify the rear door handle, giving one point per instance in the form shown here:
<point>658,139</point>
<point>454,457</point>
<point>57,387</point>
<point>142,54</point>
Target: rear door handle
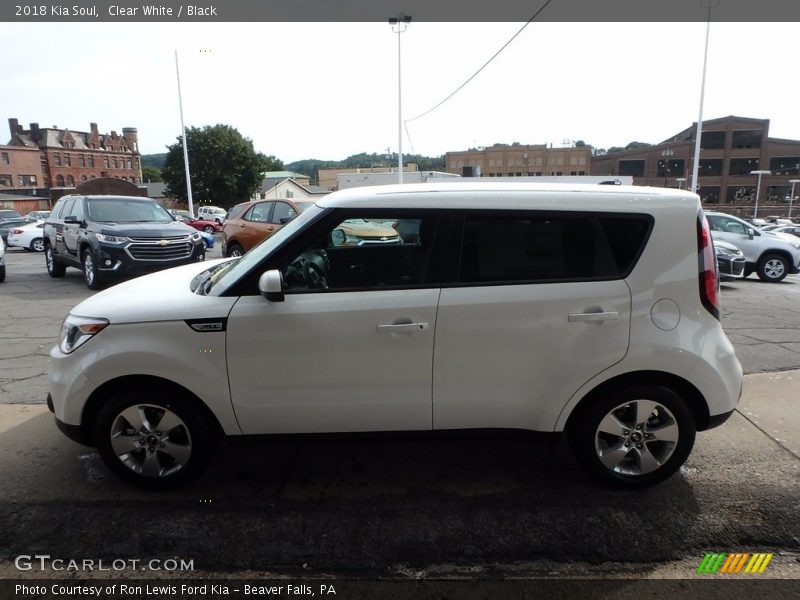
<point>402,328</point>
<point>595,316</point>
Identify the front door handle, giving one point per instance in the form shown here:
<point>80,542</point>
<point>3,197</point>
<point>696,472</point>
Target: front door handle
<point>594,316</point>
<point>403,328</point>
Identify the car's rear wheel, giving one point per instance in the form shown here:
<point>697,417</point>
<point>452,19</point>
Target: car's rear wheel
<point>154,438</point>
<point>633,437</point>
<point>235,250</point>
<point>772,268</point>
<point>37,245</point>
<point>54,269</point>
<point>208,229</point>
<point>90,272</point>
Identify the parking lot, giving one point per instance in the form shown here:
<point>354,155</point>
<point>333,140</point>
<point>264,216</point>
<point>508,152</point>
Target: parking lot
<point>399,506</point>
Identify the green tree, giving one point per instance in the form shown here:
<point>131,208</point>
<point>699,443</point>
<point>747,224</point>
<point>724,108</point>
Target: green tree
<point>150,174</point>
<point>224,166</point>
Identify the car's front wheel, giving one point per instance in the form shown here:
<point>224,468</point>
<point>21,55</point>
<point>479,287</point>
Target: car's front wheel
<point>772,268</point>
<point>235,250</point>
<point>90,272</point>
<point>37,245</point>
<point>153,438</point>
<point>633,437</point>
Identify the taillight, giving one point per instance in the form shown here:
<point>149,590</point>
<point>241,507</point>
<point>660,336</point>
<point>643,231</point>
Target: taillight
<point>707,266</point>
<point>16,231</point>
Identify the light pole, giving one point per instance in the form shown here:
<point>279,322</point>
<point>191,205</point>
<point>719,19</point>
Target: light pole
<point>758,188</point>
<point>791,195</point>
<point>680,181</point>
<point>399,25</point>
<point>183,133</point>
<point>696,166</point>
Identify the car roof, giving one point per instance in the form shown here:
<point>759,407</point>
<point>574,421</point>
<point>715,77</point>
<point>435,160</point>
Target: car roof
<point>514,196</point>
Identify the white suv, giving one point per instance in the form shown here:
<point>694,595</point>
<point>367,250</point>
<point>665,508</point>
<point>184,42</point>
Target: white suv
<point>212,213</point>
<point>506,306</point>
<point>771,255</point>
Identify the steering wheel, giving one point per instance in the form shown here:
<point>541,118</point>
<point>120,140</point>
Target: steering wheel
<point>314,275</point>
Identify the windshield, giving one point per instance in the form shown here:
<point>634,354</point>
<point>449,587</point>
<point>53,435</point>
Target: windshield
<point>127,210</point>
<point>232,271</point>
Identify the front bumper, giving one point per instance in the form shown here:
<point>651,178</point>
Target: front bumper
<point>74,432</point>
<point>119,260</point>
<point>731,267</point>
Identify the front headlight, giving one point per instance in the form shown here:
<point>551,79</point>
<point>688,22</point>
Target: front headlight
<point>196,237</point>
<point>111,239</point>
<point>76,331</point>
<point>723,252</point>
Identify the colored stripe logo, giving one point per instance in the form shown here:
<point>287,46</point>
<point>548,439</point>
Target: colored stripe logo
<point>739,562</point>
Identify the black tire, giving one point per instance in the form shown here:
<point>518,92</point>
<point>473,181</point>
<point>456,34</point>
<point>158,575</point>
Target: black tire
<point>54,269</point>
<point>37,245</point>
<point>209,229</point>
<point>235,250</point>
<point>193,434</point>
<point>773,268</point>
<point>91,275</point>
<point>672,418</point>
<point>2,273</point>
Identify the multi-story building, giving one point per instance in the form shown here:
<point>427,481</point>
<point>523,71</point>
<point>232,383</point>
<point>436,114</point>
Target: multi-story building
<point>731,149</point>
<point>69,158</point>
<point>517,160</point>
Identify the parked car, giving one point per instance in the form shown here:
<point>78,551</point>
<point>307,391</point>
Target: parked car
<point>8,225</point>
<point>38,215</point>
<point>771,255</point>
<point>30,237</point>
<point>592,310</point>
<point>250,223</point>
<point>730,261</point>
<point>208,239</point>
<point>2,261</point>
<point>211,213</point>
<point>7,214</point>
<point>200,224</point>
<point>790,229</point>
<point>108,237</point>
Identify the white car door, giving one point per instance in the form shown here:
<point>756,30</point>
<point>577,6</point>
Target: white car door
<point>735,232</point>
<point>515,338</point>
<point>350,347</point>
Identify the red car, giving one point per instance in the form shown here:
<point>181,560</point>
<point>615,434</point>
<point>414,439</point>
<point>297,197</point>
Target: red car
<point>200,224</point>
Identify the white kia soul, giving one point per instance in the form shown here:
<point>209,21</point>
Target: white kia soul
<point>592,310</point>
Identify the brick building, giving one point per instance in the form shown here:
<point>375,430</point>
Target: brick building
<point>69,158</point>
<point>730,149</point>
<point>518,160</point>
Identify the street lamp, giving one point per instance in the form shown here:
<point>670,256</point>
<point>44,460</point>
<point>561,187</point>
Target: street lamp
<point>183,133</point>
<point>791,195</point>
<point>399,25</point>
<point>680,181</point>
<point>758,188</point>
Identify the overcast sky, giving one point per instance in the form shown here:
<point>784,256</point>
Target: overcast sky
<point>329,90</point>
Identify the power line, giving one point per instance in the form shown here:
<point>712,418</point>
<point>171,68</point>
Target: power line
<point>496,54</point>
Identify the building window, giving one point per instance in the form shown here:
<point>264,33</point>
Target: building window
<point>81,160</point>
<point>518,174</point>
<point>581,172</point>
<point>70,181</point>
<point>57,160</point>
<point>4,158</point>
<point>709,167</point>
<point>785,165</point>
<point>750,138</point>
<point>26,180</point>
<point>709,194</point>
<point>573,172</point>
<point>105,162</point>
<point>740,194</point>
<point>83,178</point>
<point>712,140</point>
<point>67,160</point>
<point>116,166</point>
<point>634,168</point>
<point>6,180</point>
<point>130,163</point>
<point>92,177</point>
<point>91,160</point>
<point>670,168</point>
<point>742,166</point>
<point>59,181</point>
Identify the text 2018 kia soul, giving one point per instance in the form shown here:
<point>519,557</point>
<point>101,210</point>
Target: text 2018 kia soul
<point>584,309</point>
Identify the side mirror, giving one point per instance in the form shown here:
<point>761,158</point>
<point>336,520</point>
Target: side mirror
<point>338,237</point>
<point>751,233</point>
<point>270,284</point>
<point>71,219</point>
<point>285,220</point>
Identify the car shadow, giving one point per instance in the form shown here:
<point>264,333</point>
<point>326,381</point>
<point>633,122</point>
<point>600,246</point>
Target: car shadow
<point>356,504</point>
